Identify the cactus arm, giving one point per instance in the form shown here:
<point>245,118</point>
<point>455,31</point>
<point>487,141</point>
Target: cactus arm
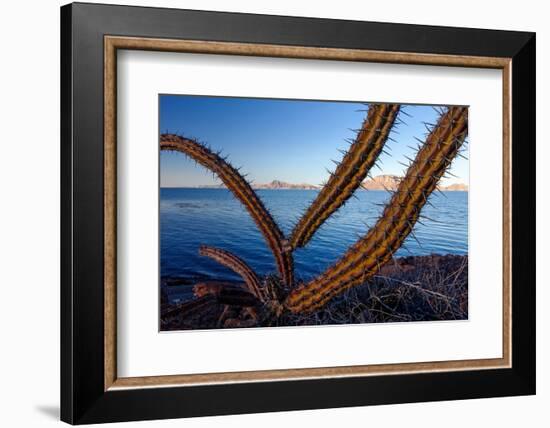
<point>370,253</point>
<point>350,173</point>
<point>237,265</point>
<point>242,190</point>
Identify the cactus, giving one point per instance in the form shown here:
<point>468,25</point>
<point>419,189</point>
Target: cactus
<point>237,265</point>
<point>242,190</point>
<point>371,252</point>
<point>365,258</point>
<point>350,173</point>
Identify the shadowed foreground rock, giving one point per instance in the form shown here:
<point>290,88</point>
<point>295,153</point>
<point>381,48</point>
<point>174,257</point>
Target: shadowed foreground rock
<point>421,288</point>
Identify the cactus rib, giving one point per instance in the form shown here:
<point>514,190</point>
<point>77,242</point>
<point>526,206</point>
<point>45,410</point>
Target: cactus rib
<point>237,265</point>
<point>242,190</point>
<point>350,172</point>
<point>366,256</point>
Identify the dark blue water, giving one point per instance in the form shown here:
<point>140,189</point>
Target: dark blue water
<point>191,217</point>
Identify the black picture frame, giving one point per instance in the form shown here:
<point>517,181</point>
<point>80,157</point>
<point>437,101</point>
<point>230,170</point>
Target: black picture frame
<point>83,397</point>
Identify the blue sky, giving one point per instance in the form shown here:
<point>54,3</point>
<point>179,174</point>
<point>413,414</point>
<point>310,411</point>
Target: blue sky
<point>288,140</point>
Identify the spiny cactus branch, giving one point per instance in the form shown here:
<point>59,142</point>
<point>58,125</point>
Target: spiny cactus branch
<point>237,265</point>
<point>242,190</point>
<point>365,258</point>
<point>350,172</point>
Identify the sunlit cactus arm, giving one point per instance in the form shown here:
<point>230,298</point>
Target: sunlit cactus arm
<point>242,190</point>
<point>350,172</point>
<point>237,265</point>
<point>365,258</point>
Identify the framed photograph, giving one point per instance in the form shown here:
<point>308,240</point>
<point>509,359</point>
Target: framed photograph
<point>266,213</point>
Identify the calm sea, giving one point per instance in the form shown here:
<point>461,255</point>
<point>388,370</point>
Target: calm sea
<point>191,217</point>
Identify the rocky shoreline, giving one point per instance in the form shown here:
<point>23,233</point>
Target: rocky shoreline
<point>414,288</point>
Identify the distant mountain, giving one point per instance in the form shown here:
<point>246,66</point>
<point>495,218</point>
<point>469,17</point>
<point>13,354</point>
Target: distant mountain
<point>211,186</point>
<point>275,184</point>
<point>390,182</point>
<point>457,187</point>
<point>380,182</point>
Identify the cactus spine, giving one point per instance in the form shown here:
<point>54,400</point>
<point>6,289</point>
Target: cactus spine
<point>366,257</point>
<point>242,190</point>
<point>237,265</point>
<point>350,173</point>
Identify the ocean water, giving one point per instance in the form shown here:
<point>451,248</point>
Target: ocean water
<point>191,217</point>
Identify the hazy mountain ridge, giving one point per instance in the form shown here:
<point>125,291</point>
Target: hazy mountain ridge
<point>380,182</point>
<point>275,184</point>
<point>391,182</point>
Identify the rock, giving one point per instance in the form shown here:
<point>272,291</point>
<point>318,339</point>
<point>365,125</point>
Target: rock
<point>457,187</point>
<point>391,182</point>
<point>382,182</point>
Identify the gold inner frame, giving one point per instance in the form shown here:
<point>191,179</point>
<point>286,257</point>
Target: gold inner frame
<point>113,43</point>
